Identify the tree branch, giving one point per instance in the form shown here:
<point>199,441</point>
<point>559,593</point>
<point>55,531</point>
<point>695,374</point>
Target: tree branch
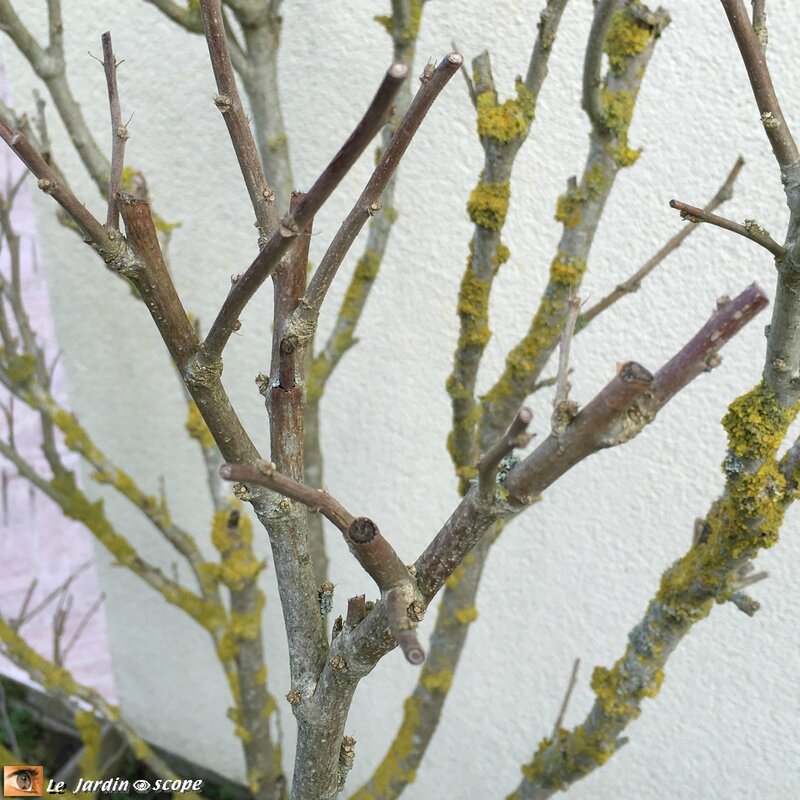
<point>52,184</point>
<point>760,22</point>
<point>750,230</point>
<point>304,320</point>
<point>516,436</point>
<point>579,210</point>
<point>269,257</point>
<point>365,541</point>
<point>61,683</point>
<point>549,20</point>
<point>755,62</point>
<point>563,408</point>
<point>633,283</point>
<point>593,61</point>
<point>262,196</point>
<point>119,133</point>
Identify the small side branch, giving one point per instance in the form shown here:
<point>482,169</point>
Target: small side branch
<point>293,224</point>
<point>549,20</point>
<point>592,82</point>
<point>119,133</point>
<point>755,62</point>
<point>565,409</point>
<point>315,499</point>
<point>372,550</point>
<point>516,436</point>
<point>262,195</point>
<point>367,205</point>
<point>51,183</point>
<point>750,230</point>
<point>760,22</point>
<point>573,680</point>
<point>633,283</point>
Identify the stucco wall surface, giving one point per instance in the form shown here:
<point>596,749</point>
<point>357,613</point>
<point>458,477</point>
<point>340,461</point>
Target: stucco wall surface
<point>572,576</point>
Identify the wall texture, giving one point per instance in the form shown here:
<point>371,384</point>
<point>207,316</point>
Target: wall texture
<point>571,577</point>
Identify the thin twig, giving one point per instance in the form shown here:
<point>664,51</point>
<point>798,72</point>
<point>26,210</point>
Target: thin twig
<point>563,408</point>
<point>262,195</point>
<point>633,283</point>
<point>549,20</point>
<point>59,590</point>
<point>293,224</point>
<point>51,183</point>
<point>265,474</point>
<point>367,204</point>
<point>119,132</point>
<point>592,101</point>
<point>372,550</point>
<point>516,436</point>
<point>754,58</point>
<point>473,95</point>
<point>573,680</point>
<point>760,22</point>
<point>750,230</point>
<point>7,724</point>
<point>81,626</point>
<point>15,622</point>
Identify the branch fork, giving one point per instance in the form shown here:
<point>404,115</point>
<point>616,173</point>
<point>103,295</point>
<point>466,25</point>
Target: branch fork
<point>370,548</point>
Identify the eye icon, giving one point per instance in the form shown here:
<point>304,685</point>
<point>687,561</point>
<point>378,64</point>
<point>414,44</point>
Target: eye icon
<point>22,781</point>
<point>141,786</point>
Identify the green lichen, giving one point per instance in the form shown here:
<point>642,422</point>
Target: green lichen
<point>628,36</point>
<point>509,121</point>
<point>488,204</point>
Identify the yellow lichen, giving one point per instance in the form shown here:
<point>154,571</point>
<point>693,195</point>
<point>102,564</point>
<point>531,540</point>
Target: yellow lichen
<point>75,436</point>
<point>350,310</point>
<point>464,616</point>
<point>20,367</point>
<point>240,568</point>
<point>756,424</point>
<point>440,681</point>
<point>508,121</point>
<point>197,428</point>
<point>392,773</point>
<point>628,36</point>
<point>618,112</point>
<point>89,731</point>
<point>488,204</point>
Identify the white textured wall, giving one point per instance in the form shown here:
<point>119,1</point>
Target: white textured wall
<point>572,576</point>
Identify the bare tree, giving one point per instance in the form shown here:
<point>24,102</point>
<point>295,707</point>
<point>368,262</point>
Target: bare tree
<point>497,480</point>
